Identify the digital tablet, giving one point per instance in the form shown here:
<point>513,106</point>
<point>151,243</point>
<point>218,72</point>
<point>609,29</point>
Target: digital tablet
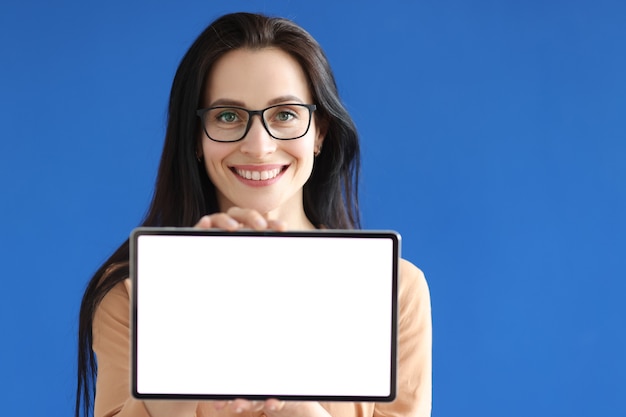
<point>256,315</point>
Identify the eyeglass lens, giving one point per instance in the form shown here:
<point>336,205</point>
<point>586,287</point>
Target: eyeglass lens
<point>285,121</point>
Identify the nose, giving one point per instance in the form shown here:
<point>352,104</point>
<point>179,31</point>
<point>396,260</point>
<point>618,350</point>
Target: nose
<point>257,142</point>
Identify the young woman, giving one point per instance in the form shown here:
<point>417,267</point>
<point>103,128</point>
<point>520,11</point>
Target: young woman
<point>258,138</point>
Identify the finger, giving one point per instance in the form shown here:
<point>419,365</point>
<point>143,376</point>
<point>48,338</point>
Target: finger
<point>240,405</point>
<point>256,405</point>
<point>273,404</point>
<point>248,218</point>
<point>204,223</point>
<point>278,225</point>
<point>218,405</point>
<point>218,220</point>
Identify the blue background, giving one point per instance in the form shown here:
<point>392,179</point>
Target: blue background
<point>493,139</point>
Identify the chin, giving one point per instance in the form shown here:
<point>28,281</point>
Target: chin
<point>263,207</point>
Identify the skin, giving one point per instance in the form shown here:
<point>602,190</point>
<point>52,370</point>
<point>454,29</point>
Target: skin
<point>256,80</point>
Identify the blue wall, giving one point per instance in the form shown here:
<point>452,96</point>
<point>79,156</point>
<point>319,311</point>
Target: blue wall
<point>493,140</point>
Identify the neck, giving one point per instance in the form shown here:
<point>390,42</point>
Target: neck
<point>291,212</point>
<point>295,219</point>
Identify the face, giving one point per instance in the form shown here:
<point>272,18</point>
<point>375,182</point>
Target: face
<point>260,172</point>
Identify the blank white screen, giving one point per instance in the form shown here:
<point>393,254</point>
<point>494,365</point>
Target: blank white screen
<point>264,315</point>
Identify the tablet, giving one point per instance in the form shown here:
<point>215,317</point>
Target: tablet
<point>256,315</point>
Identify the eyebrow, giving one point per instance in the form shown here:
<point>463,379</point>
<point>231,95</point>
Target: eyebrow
<point>277,100</point>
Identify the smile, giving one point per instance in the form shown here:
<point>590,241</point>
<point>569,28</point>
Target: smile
<point>266,174</point>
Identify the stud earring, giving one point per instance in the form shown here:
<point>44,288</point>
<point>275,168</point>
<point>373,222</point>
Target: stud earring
<point>317,152</point>
<point>198,157</point>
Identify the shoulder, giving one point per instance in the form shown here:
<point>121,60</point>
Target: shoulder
<point>116,297</point>
<point>412,279</point>
<point>413,295</point>
<point>114,308</point>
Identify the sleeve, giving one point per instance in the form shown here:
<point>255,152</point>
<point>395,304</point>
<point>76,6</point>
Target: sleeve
<point>414,383</point>
<point>111,344</point>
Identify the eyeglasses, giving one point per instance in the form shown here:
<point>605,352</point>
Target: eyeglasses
<point>231,124</point>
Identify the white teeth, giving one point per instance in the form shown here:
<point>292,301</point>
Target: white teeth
<point>258,175</point>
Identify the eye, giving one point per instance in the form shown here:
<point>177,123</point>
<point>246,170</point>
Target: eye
<point>227,116</point>
<point>283,115</point>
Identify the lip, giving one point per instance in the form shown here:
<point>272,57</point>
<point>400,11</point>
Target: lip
<point>258,175</point>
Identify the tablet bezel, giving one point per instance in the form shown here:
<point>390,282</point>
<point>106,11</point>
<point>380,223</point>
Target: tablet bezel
<point>393,236</point>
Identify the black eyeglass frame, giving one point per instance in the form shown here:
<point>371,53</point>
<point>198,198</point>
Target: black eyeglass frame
<point>201,113</point>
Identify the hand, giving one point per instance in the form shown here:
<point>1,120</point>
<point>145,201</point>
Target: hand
<point>274,408</point>
<point>237,218</point>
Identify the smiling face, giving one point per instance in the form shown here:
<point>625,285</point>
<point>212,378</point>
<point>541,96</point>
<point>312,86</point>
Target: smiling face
<point>260,172</point>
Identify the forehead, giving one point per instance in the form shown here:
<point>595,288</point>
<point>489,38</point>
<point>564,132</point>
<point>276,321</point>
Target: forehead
<point>255,77</point>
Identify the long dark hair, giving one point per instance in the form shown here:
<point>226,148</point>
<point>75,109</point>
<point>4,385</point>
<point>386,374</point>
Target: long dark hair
<point>184,192</point>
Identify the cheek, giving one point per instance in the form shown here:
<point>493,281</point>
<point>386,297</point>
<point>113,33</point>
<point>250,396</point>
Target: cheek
<point>216,151</point>
<point>213,157</point>
<point>303,148</point>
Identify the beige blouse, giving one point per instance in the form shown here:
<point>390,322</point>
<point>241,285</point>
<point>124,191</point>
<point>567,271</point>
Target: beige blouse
<point>111,343</point>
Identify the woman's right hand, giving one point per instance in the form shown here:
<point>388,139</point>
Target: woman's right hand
<point>238,218</point>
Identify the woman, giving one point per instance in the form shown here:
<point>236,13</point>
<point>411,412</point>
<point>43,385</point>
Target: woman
<point>258,138</point>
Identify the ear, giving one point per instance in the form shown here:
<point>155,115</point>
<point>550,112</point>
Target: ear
<point>322,128</point>
<point>199,153</point>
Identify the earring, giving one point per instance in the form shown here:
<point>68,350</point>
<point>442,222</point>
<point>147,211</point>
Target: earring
<point>198,157</point>
<point>317,152</point>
